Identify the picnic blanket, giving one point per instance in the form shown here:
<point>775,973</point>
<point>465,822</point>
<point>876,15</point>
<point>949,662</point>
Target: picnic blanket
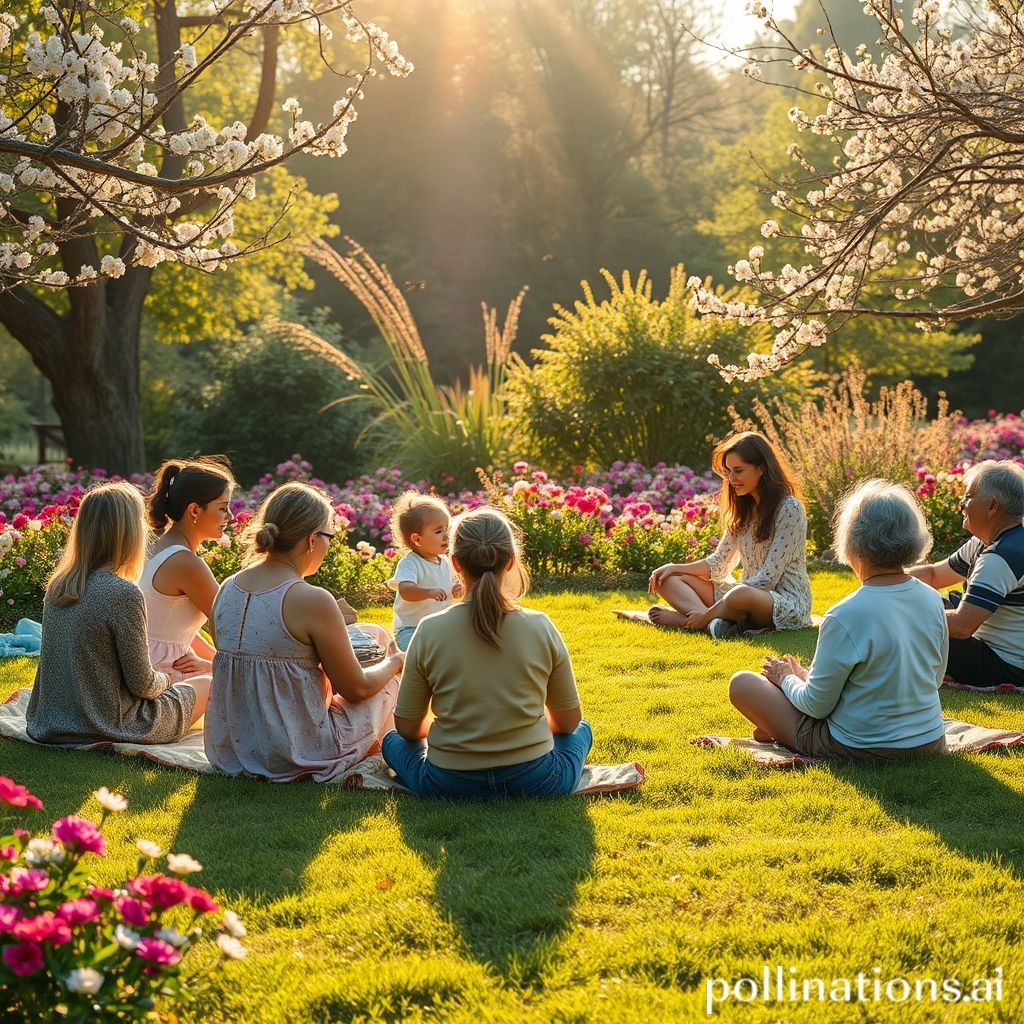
<point>371,773</point>
<point>961,738</point>
<point>997,688</point>
<point>25,641</point>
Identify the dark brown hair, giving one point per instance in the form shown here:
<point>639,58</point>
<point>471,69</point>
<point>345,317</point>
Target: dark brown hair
<point>180,482</point>
<point>484,543</point>
<point>777,482</point>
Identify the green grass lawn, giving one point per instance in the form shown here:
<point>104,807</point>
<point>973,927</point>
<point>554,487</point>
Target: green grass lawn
<point>377,907</point>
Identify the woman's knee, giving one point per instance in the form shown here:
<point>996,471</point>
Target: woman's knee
<point>744,686</point>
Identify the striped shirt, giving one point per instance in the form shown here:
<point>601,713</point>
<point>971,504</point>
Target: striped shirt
<point>995,582</point>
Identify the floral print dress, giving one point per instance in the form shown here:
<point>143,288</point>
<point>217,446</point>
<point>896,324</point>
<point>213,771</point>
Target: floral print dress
<point>778,565</point>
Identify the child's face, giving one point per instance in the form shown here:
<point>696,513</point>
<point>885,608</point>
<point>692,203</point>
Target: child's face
<point>432,540</point>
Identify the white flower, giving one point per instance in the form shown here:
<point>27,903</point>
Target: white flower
<point>86,980</point>
<point>126,938</point>
<point>232,925</point>
<point>43,851</point>
<point>111,266</point>
<point>110,801</point>
<point>183,864</point>
<point>175,938</point>
<point>231,947</point>
<point>149,849</point>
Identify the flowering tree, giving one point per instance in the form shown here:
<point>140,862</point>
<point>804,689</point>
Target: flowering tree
<point>920,216</point>
<point>111,164</point>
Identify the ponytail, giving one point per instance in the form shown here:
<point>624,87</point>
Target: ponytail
<point>485,547</point>
<point>180,483</point>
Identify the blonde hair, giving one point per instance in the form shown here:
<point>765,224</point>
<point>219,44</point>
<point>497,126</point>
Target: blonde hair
<point>411,512</point>
<point>484,543</point>
<point>288,514</point>
<point>109,530</point>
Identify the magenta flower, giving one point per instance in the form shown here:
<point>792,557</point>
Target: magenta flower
<point>133,911</point>
<point>162,891</point>
<point>156,951</point>
<point>98,892</point>
<point>23,959</point>
<point>201,902</point>
<point>46,927</point>
<point>20,521</point>
<point>79,912</point>
<point>17,796</point>
<point>8,853</point>
<point>80,834</point>
<point>27,880</point>
<point>586,539</point>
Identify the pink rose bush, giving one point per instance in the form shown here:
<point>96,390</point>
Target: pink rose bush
<point>601,523</point>
<point>76,951</point>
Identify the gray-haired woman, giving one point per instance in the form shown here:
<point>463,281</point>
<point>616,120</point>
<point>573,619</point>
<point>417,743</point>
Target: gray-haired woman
<point>872,691</point>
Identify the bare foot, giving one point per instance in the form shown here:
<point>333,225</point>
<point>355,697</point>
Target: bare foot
<point>761,736</point>
<point>662,616</point>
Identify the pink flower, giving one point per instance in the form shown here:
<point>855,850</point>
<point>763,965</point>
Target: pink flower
<point>20,562</point>
<point>28,880</point>
<point>8,852</point>
<point>135,912</point>
<point>24,958</point>
<point>80,834</point>
<point>162,891</point>
<point>586,540</point>
<point>46,927</point>
<point>17,796</point>
<point>79,912</point>
<point>9,917</point>
<point>98,892</point>
<point>201,902</point>
<point>156,951</point>
<point>520,467</point>
<point>20,521</point>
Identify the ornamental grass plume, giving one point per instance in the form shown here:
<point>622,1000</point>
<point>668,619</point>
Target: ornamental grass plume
<point>418,423</point>
<point>75,951</point>
<point>847,438</point>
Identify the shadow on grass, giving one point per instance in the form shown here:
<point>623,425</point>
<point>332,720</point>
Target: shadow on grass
<point>507,873</point>
<point>257,838</point>
<point>954,797</point>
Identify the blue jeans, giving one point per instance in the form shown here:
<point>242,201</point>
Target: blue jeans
<point>403,635</point>
<point>555,774</point>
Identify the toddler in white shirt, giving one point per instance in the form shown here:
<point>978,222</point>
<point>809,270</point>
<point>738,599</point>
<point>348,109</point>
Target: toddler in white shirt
<point>424,581</point>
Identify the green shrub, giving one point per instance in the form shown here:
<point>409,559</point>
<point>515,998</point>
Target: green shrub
<point>264,400</point>
<point>628,378</point>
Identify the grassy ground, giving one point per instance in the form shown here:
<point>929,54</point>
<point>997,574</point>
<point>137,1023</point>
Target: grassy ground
<point>372,907</point>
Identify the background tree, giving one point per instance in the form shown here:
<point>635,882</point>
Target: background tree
<point>919,217</point>
<point>752,166</point>
<point>124,149</point>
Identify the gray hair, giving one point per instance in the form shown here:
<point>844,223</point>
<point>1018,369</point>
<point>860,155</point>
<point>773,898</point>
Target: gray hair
<point>880,523</point>
<point>1001,482</point>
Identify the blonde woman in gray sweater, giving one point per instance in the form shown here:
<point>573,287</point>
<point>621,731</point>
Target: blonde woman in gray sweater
<point>95,680</point>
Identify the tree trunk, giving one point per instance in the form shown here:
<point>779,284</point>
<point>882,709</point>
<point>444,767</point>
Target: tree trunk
<point>98,407</point>
<point>91,359</point>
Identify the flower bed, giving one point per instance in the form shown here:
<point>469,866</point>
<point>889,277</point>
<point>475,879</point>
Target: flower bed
<point>607,525</point>
<point>72,950</point>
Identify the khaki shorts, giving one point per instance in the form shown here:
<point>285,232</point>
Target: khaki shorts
<point>814,739</point>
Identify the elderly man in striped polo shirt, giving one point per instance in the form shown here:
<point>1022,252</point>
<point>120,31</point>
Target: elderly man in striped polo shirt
<point>986,625</point>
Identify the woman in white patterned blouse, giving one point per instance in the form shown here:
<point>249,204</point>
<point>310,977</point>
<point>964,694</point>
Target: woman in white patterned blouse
<point>764,527</point>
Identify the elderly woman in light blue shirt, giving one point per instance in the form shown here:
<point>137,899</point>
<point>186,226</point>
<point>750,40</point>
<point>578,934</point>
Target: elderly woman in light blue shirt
<point>872,691</point>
